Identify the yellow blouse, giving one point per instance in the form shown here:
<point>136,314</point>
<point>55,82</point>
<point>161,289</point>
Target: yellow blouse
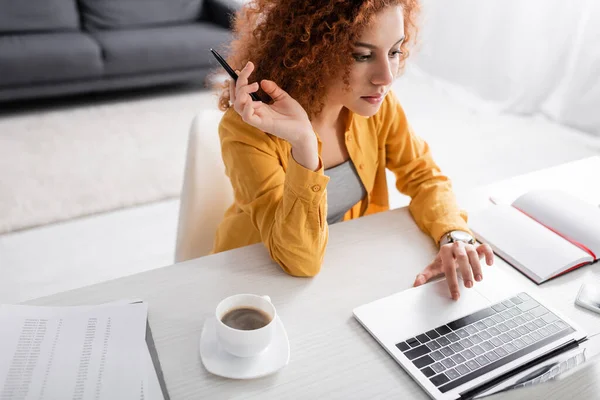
<point>284,205</point>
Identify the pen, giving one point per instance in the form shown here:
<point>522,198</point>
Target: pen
<point>230,71</point>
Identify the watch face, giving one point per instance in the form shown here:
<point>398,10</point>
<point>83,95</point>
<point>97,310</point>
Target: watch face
<point>461,236</point>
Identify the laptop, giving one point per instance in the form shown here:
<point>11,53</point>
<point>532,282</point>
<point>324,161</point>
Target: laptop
<point>494,335</point>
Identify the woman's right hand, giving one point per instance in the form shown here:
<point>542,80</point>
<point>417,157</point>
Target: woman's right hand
<point>284,118</point>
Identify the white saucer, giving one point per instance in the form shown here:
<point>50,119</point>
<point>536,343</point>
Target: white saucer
<point>219,362</point>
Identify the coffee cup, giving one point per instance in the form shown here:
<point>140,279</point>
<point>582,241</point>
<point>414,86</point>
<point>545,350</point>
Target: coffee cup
<point>245,324</point>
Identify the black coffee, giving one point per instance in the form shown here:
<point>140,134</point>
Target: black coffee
<point>246,318</point>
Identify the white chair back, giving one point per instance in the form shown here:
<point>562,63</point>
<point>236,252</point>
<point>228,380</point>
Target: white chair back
<point>206,191</point>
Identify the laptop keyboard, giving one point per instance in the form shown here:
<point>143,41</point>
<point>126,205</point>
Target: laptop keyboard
<point>471,346</point>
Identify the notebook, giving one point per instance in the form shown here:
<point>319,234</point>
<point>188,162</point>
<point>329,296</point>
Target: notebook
<point>543,233</point>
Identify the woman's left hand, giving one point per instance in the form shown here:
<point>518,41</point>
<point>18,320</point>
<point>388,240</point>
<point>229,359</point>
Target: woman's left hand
<point>457,256</point>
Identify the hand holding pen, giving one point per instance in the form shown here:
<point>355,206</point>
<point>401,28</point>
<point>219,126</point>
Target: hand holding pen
<point>284,117</point>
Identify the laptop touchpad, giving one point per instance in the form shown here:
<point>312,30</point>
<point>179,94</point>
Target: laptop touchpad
<point>417,310</point>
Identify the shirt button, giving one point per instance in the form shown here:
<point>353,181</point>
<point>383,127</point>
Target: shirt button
<point>316,188</point>
<point>349,137</point>
<point>361,166</point>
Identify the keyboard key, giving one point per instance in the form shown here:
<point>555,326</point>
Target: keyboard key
<point>462,369</point>
<point>514,334</point>
<point>458,358</point>
<point>443,341</point>
<point>480,325</point>
<point>540,322</point>
<point>482,360</point>
<point>544,332</point>
<point>438,367</point>
<point>413,342</point>
<point>466,343</point>
<point>432,334</point>
<point>549,318</point>
<point>487,346</point>
<point>453,337</point>
<point>478,350</point>
<point>492,356</point>
<point>496,341</point>
<point>433,345</point>
<point>527,339</point>
<point>509,347</point>
<point>498,318</point>
<point>442,330</point>
<point>468,354</point>
<point>508,303</point>
<point>505,338</point>
<point>519,320</point>
<point>493,331</point>
<point>561,325</point>
<point>524,296</point>
<point>489,322</point>
<point>471,329</point>
<point>511,324</point>
<point>456,347</point>
<point>501,352</point>
<point>538,311</point>
<point>476,339</point>
<point>428,372</point>
<point>499,307</point>
<point>472,364</point>
<point>402,346</point>
<point>423,338</point>
<point>516,300</point>
<point>523,330</point>
<point>531,326</point>
<point>506,314</point>
<point>423,361</point>
<point>447,351</point>
<point>462,333</point>
<point>485,335</point>
<point>439,380</point>
<point>448,363</point>
<point>437,356</point>
<point>502,327</point>
<point>472,318</point>
<point>528,305</point>
<point>515,312</point>
<point>519,343</point>
<point>452,374</point>
<point>528,317</point>
<point>417,352</point>
<point>535,336</point>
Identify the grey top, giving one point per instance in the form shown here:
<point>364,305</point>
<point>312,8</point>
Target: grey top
<point>344,190</point>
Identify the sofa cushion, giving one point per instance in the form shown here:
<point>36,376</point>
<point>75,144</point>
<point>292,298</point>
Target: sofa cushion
<point>159,49</point>
<point>48,57</point>
<point>18,16</point>
<point>124,14</point>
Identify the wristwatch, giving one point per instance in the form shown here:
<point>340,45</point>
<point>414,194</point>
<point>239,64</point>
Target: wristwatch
<point>457,236</point>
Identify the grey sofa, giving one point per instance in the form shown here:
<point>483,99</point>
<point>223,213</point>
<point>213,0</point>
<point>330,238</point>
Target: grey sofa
<point>58,47</point>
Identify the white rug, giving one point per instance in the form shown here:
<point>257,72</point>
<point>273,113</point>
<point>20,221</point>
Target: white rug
<point>80,159</point>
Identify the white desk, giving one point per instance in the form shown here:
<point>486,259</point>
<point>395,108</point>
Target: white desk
<point>332,356</point>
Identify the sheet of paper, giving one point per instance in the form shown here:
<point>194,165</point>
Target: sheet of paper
<point>88,352</point>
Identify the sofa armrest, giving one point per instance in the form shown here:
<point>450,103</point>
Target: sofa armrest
<point>220,12</point>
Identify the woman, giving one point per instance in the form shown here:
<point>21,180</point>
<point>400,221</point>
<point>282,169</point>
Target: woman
<point>315,150</point>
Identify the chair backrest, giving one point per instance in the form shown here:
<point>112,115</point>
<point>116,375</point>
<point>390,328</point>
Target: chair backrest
<point>206,191</point>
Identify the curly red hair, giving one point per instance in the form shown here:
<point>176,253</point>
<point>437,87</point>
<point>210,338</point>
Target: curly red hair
<point>302,45</point>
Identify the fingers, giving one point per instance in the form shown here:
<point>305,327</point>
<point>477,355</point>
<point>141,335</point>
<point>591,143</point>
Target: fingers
<point>274,91</point>
<point>474,261</point>
<point>231,91</point>
<point>449,268</point>
<point>424,276</point>
<point>486,250</point>
<point>242,90</point>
